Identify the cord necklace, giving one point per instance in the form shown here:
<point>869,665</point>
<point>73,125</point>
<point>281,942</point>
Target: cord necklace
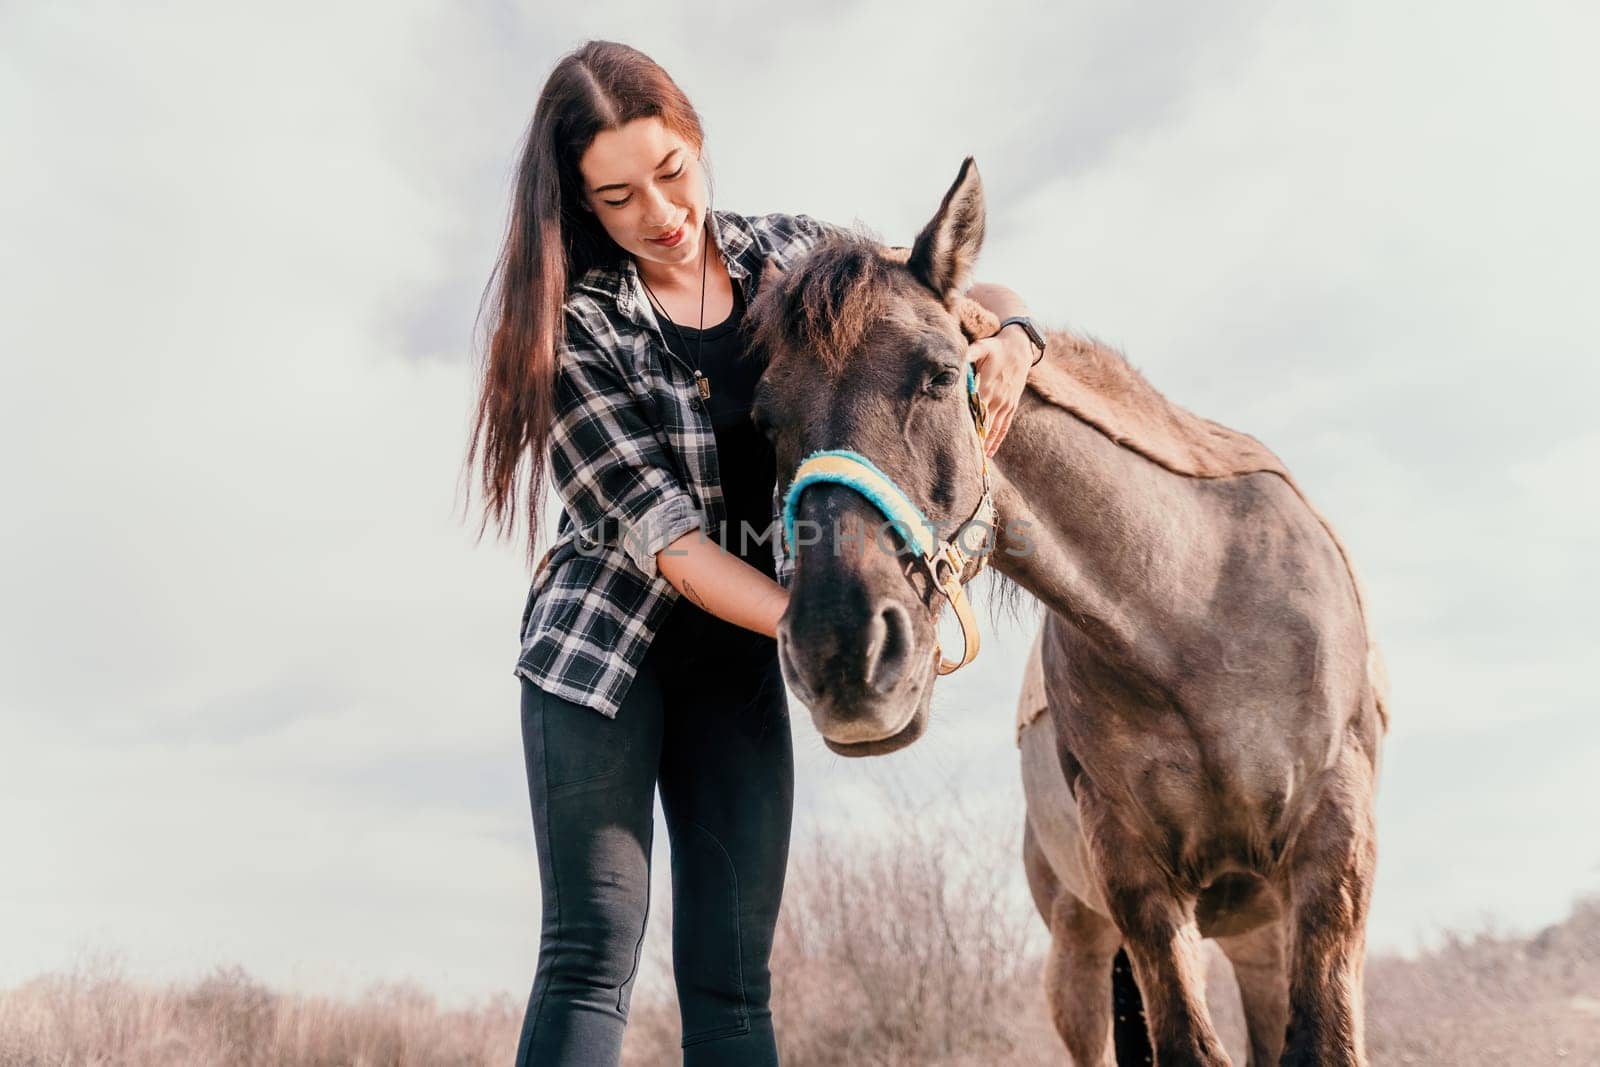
<point>700,380</point>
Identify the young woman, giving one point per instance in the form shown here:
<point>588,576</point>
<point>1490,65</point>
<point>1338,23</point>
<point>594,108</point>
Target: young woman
<point>648,656</point>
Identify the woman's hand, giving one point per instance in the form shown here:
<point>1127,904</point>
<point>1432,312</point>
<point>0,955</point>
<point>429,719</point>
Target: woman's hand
<point>1002,365</point>
<point>1002,362</point>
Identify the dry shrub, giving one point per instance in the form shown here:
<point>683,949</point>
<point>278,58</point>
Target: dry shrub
<point>918,949</point>
<point>92,1016</point>
<point>1486,998</point>
<point>909,951</point>
<point>238,1012</point>
<point>398,1024</point>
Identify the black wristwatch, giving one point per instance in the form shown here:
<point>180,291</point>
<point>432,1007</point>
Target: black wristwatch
<point>1027,328</point>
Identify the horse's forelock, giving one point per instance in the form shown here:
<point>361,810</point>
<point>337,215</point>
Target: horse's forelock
<point>824,307</point>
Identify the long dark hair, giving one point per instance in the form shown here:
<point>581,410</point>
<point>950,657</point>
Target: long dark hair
<point>550,241</point>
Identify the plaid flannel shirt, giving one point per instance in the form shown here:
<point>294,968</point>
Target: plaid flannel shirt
<point>633,459</point>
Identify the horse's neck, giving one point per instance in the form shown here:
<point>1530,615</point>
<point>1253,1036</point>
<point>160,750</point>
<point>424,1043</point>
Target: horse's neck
<point>1116,544</point>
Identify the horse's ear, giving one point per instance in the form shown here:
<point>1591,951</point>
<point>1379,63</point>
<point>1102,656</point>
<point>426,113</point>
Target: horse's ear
<point>945,251</point>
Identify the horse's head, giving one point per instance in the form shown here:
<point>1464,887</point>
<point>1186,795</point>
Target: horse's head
<point>866,362</point>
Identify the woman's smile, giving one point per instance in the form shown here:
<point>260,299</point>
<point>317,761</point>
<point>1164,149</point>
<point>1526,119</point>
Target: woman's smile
<point>672,238</point>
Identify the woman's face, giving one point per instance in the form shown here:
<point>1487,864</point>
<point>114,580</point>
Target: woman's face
<point>644,182</point>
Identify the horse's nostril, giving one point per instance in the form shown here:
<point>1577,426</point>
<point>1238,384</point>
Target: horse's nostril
<point>888,647</point>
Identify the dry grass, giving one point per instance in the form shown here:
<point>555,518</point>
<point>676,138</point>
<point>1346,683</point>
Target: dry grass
<point>1492,999</point>
<point>914,954</point>
<point>96,1016</point>
<point>925,952</point>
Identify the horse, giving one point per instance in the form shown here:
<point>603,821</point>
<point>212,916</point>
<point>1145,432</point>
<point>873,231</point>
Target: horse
<point>1215,705</point>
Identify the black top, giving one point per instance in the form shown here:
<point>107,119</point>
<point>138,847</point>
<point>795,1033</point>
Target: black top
<point>745,460</point>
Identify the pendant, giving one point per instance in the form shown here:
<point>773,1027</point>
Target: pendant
<point>705,385</point>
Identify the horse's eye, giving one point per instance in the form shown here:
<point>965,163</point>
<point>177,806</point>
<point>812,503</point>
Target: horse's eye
<point>943,379</point>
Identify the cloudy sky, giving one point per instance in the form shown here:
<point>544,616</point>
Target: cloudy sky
<point>256,699</point>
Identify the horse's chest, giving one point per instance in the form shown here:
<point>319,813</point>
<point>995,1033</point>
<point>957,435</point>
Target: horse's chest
<point>1214,762</point>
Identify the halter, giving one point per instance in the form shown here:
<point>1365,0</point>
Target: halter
<point>944,561</point>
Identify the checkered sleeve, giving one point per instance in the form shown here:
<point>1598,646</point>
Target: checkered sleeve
<point>786,238</point>
<point>607,461</point>
<point>816,231</point>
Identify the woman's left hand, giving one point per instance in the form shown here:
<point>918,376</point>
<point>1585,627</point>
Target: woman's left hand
<point>1002,363</point>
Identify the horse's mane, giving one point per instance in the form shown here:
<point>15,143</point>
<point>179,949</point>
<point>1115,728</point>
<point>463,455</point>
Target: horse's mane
<point>825,306</point>
<point>1098,385</point>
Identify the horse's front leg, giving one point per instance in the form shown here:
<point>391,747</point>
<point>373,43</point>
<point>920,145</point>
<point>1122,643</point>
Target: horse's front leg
<point>1329,880</point>
<point>1161,937</point>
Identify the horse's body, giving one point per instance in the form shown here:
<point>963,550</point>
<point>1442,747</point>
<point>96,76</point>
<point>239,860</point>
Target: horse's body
<point>1206,758</point>
<point>1211,749</point>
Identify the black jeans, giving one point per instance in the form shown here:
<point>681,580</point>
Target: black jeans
<point>706,718</point>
